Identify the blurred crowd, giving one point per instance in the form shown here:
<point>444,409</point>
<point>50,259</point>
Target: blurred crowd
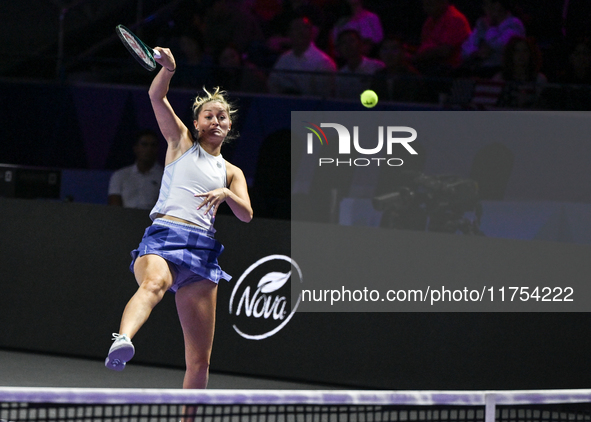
<point>471,53</point>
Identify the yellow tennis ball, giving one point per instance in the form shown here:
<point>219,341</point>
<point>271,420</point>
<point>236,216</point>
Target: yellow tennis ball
<point>369,98</point>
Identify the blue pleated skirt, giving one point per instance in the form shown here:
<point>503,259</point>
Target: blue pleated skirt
<point>191,250</point>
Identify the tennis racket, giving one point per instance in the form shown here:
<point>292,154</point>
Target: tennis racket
<point>142,53</point>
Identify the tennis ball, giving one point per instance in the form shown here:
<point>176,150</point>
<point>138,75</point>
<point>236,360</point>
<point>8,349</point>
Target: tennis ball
<point>369,98</point>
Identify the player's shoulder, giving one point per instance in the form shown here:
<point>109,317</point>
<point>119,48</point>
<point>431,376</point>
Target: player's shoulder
<point>233,171</point>
<point>231,167</point>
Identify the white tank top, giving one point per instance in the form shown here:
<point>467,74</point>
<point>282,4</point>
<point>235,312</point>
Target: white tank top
<point>194,172</point>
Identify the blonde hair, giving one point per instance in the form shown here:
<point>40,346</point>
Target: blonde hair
<point>218,96</point>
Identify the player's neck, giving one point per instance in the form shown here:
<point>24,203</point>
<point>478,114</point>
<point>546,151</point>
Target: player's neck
<point>214,149</point>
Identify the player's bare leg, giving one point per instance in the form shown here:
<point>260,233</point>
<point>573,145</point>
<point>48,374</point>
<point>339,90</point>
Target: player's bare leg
<point>196,304</point>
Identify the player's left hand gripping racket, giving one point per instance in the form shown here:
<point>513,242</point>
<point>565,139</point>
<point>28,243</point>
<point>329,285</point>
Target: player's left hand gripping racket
<point>142,53</point>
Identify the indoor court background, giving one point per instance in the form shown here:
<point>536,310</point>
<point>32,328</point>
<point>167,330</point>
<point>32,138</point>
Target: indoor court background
<point>64,258</point>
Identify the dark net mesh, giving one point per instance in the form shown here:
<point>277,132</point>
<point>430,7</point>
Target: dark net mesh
<point>289,413</point>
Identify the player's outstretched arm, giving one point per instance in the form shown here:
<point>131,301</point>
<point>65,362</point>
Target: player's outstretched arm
<point>238,198</point>
<point>236,195</point>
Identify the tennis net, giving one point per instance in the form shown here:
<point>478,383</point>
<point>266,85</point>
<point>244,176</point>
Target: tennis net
<point>147,405</point>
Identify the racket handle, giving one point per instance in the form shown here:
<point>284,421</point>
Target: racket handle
<point>156,54</point>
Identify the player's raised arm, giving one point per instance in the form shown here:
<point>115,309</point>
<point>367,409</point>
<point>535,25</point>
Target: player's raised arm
<point>177,135</point>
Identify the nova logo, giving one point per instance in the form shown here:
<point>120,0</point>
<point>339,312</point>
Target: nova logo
<point>389,136</point>
<point>260,301</point>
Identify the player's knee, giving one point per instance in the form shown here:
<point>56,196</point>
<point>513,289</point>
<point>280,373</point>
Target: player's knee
<point>154,285</point>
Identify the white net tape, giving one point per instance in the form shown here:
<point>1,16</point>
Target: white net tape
<point>487,399</point>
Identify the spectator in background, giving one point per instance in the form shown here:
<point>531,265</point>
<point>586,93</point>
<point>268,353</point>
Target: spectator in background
<point>266,10</point>
<point>296,71</point>
<point>574,93</point>
<point>195,66</point>
<point>482,52</point>
<point>231,22</point>
<point>277,33</point>
<point>398,81</point>
<point>522,61</point>
<point>578,70</point>
<point>576,15</point>
<point>234,73</point>
<point>442,36</point>
<point>138,185</point>
<point>349,82</point>
<point>366,23</point>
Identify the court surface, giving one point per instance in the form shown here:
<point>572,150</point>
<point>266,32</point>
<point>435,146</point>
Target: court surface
<point>18,369</point>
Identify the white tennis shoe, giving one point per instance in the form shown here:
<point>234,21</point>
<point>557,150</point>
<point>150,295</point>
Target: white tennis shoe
<point>120,353</point>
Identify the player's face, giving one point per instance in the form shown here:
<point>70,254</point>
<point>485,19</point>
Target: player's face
<point>214,121</point>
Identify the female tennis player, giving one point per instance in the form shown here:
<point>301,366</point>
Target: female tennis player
<point>178,251</point>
